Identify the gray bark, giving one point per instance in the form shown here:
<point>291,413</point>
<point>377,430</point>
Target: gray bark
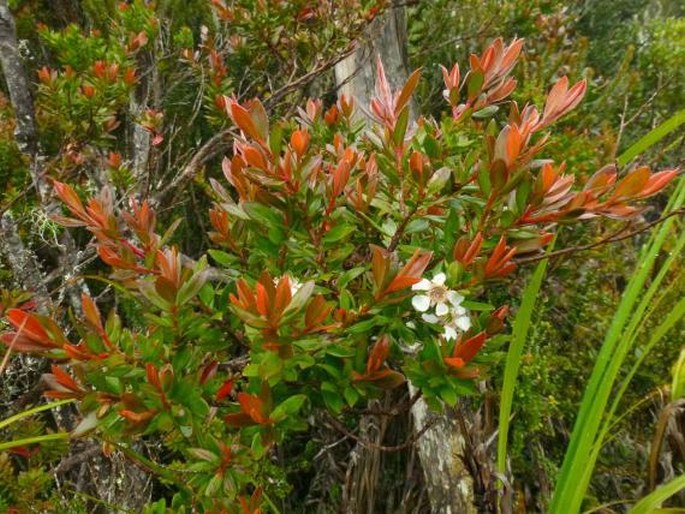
<point>20,96</point>
<point>441,449</point>
<point>25,268</point>
<point>115,480</point>
<point>26,136</point>
<point>386,37</point>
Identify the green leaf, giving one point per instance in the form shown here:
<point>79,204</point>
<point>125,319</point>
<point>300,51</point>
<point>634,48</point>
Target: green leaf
<point>401,126</point>
<point>303,294</point>
<point>289,407</point>
<point>207,294</point>
<point>351,396</point>
<point>276,139</point>
<point>348,276</point>
<point>190,288</point>
<point>418,225</point>
<point>270,366</point>
<point>438,180</point>
<point>337,350</point>
<point>487,112</point>
<point>331,397</point>
<point>484,180</point>
<point>448,395</point>
<point>650,503</point>
<point>263,214</point>
<point>223,258</point>
<point>334,371</point>
<point>521,326</point>
<point>477,306</point>
<point>214,485</point>
<point>338,232</point>
<point>431,147</point>
<point>364,326</point>
<point>652,138</point>
<point>474,83</point>
<point>114,385</point>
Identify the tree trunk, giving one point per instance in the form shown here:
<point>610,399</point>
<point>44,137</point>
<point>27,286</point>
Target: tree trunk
<point>113,479</point>
<point>441,448</point>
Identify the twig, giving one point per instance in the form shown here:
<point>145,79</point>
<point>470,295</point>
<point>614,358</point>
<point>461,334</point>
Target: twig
<point>398,409</point>
<point>400,230</point>
<point>77,459</point>
<point>307,77</point>
<point>6,358</point>
<point>373,446</point>
<point>610,239</point>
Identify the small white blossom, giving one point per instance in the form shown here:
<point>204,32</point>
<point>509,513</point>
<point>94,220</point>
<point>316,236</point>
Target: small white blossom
<point>448,309</point>
<point>436,294</point>
<point>456,325</point>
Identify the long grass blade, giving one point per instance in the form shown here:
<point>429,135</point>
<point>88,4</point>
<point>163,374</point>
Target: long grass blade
<point>651,503</point>
<point>652,137</point>
<point>33,440</point>
<point>520,330</point>
<point>582,452</point>
<point>30,412</point>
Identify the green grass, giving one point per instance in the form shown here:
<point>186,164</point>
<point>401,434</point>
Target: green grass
<point>594,420</point>
<point>521,326</point>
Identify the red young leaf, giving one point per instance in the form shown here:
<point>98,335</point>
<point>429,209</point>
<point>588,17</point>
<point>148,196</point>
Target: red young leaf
<point>407,91</point>
<point>253,406</point>
<point>242,118</point>
<point>225,389</point>
<point>468,349</point>
<point>632,184</point>
<point>411,273</point>
<point>378,354</point>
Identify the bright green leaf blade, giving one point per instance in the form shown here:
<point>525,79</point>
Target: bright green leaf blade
<point>652,138</point>
<point>653,500</point>
<point>581,454</point>
<point>520,331</point>
<point>30,412</point>
<point>33,440</point>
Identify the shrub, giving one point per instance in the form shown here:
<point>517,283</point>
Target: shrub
<point>349,256</point>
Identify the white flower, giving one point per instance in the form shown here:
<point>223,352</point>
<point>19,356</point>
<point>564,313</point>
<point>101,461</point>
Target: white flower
<point>448,309</point>
<point>458,323</point>
<point>437,294</point>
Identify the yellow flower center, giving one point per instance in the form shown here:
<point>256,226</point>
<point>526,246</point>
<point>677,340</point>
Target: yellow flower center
<point>438,294</point>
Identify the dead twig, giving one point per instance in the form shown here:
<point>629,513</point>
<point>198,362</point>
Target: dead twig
<point>613,238</point>
<point>373,446</point>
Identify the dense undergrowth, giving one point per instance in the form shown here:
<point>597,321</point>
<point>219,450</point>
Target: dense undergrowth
<point>233,361</point>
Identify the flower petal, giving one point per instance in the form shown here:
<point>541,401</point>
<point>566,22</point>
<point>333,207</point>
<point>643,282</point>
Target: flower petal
<point>421,302</point>
<point>458,311</point>
<point>422,285</point>
<point>439,279</point>
<point>441,309</point>
<point>455,298</point>
<point>449,333</point>
<point>463,323</point>
<point>430,318</point>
